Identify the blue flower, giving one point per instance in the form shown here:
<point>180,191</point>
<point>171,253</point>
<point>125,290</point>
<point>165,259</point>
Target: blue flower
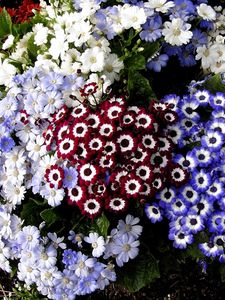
<point>188,161</point>
<point>189,195</point>
<point>69,257</point>
<point>87,285</point>
<point>200,180</point>
<point>152,29</point>
<point>158,62</point>
<point>218,101</point>
<point>203,156</point>
<point>213,140</point>
<point>70,177</point>
<point>192,223</point>
<point>6,143</point>
<point>186,57</point>
<point>188,108</point>
<point>199,38</point>
<point>209,249</point>
<point>181,239</point>
<point>179,207</point>
<point>202,96</point>
<point>166,196</point>
<point>153,212</point>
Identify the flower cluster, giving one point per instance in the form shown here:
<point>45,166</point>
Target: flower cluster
<point>79,273</point>
<point>74,36</point>
<point>198,206</point>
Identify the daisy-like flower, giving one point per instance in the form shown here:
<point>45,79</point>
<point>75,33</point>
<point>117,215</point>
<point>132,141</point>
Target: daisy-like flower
<point>206,12</point>
<point>67,147</point>
<point>181,239</point>
<point>200,180</point>
<point>79,112</point>
<point>218,101</point>
<point>36,148</point>
<point>53,195</point>
<point>54,175</point>
<point>166,196</point>
<point>209,249</point>
<point>93,60</point>
<point>207,55</point>
<point>91,207</point>
<point>76,194</point>
<point>216,190</point>
<point>144,172</point>
<point>70,177</point>
<point>131,186</point>
<point>188,109</point>
<point>28,237</point>
<point>213,140</point>
<point>187,162</point>
<point>202,96</point>
<point>89,89</point>
<point>93,120</point>
<point>125,247</point>
<point>149,141</point>
<point>80,130</point>
<point>132,16</point>
<point>144,121</point>
<point>178,207</point>
<point>192,223</point>
<point>14,193</point>
<point>107,129</point>
<point>140,155</point>
<point>189,195</point>
<point>126,142</point>
<point>177,32</point>
<point>203,207</point>
<point>97,243</point>
<point>177,175</point>
<point>153,212</point>
<point>116,204</point>
<point>114,111</point>
<point>95,144</point>
<point>88,172</point>
<point>162,6</point>
<point>203,156</point>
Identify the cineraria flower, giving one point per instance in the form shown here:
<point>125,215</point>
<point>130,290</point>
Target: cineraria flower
<point>130,226</point>
<point>177,32</point>
<point>125,247</point>
<point>206,12</point>
<point>70,177</point>
<point>28,237</point>
<point>97,243</point>
<point>153,212</point>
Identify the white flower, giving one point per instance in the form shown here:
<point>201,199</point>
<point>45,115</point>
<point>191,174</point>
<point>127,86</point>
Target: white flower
<point>208,56</point>
<point>14,193</point>
<point>36,148</point>
<point>8,42</point>
<point>52,195</point>
<point>79,33</point>
<point>7,71</point>
<point>41,34</point>
<point>132,16</point>
<point>92,60</point>
<point>5,222</point>
<point>112,67</point>
<point>15,158</point>
<point>97,243</point>
<point>59,45</point>
<point>206,12</point>
<point>177,32</point>
<point>160,5</point>
<point>130,226</point>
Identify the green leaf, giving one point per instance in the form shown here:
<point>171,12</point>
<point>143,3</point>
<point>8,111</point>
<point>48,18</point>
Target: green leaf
<point>5,23</point>
<point>139,272</point>
<point>50,216</point>
<point>136,62</point>
<point>139,86</point>
<point>103,225</point>
<point>32,49</point>
<point>150,49</point>
<point>214,84</point>
<point>31,213</point>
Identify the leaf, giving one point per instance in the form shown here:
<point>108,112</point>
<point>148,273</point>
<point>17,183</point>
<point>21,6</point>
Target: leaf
<point>139,86</point>
<point>31,213</point>
<point>103,225</point>
<point>32,49</point>
<point>139,272</point>
<point>50,216</point>
<point>214,84</point>
<point>150,49</point>
<point>5,23</point>
<point>136,62</point>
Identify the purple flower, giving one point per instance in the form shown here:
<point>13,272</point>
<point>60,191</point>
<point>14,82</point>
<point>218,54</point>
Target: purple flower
<point>152,29</point>
<point>70,177</point>
<point>6,143</point>
<point>158,62</point>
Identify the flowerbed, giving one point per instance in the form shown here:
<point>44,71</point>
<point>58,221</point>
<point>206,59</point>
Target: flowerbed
<point>91,160</point>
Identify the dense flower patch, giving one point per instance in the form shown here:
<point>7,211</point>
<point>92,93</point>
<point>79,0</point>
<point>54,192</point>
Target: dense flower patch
<point>88,153</point>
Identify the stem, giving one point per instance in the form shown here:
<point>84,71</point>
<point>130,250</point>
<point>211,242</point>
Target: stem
<point>3,292</point>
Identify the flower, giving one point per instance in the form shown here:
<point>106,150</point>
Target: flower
<point>97,243</point>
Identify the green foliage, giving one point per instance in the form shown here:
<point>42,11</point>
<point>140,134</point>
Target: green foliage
<point>32,49</point>
<point>5,24</point>
<point>139,272</point>
<point>214,84</point>
<point>103,225</point>
<point>50,216</point>
<point>31,212</point>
